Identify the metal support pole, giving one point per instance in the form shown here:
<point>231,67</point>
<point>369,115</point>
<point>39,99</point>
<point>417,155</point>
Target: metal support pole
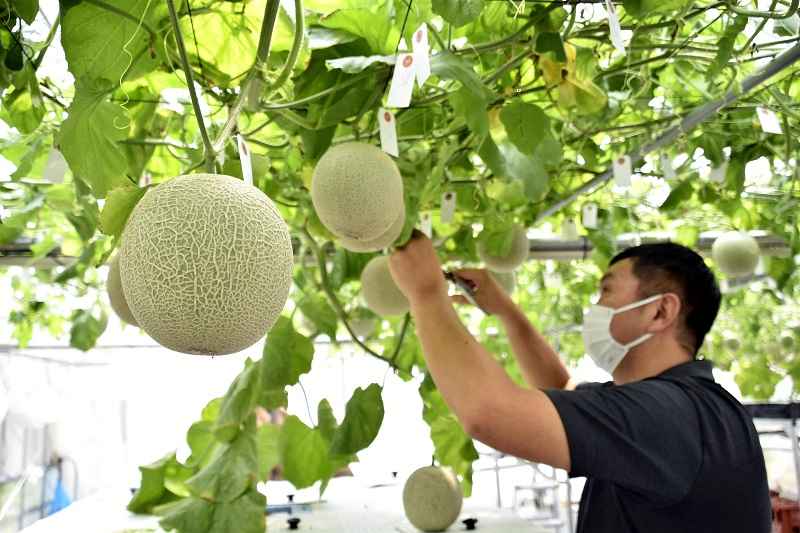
<point>699,115</point>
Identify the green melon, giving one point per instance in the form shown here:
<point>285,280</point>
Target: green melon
<point>383,241</point>
<point>735,253</point>
<point>507,280</point>
<point>432,498</point>
<point>787,340</point>
<point>115,294</point>
<point>357,191</point>
<point>517,255</point>
<point>380,292</point>
<point>206,264</point>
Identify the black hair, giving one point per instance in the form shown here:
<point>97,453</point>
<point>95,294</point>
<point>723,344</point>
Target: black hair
<point>671,267</point>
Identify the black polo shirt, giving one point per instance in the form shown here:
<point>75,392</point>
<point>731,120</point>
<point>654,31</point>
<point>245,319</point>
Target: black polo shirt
<point>672,453</point>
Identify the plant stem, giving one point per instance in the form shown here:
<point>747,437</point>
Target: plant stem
<point>262,54</point>
<point>187,69</point>
<point>294,53</point>
<point>337,305</point>
<point>50,36</point>
<point>317,96</point>
<point>400,338</point>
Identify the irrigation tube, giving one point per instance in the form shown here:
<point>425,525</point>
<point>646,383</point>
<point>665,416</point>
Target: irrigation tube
<point>699,115</point>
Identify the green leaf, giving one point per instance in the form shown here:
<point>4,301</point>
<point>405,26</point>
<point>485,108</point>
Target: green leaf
<point>100,43</point>
<point>726,44</point>
<point>526,124</point>
<point>497,235</point>
<point>151,489</point>
<point>326,421</point>
<point>458,12</point>
<point>13,226</point>
<point>27,9</point>
<point>243,515</point>
<point>316,142</point>
<point>678,196</point>
<point>452,67</point>
<point>231,472</point>
<point>89,137</point>
<point>551,45</point>
<point>86,329</point>
<point>25,109</point>
<point>274,398</point>
<point>473,108</point>
<point>355,64</point>
<point>375,28</point>
<point>648,8</point>
<point>239,402</point>
<point>304,453</point>
<point>317,309</point>
<point>529,170</point>
<point>202,442</point>
<point>362,421</point>
<point>268,449</point>
<point>118,207</point>
<point>287,355</point>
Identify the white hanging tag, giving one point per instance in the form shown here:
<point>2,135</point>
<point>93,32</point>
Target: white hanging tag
<point>717,174</point>
<point>613,25</point>
<point>770,122</point>
<point>402,81</point>
<point>427,224</point>
<point>244,157</point>
<point>55,167</point>
<point>590,216</point>
<point>666,167</point>
<point>569,230</point>
<point>622,171</point>
<point>146,180</point>
<point>448,207</point>
<point>422,51</point>
<point>388,129</point>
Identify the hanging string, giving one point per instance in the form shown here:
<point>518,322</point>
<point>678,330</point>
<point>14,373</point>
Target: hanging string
<point>194,37</point>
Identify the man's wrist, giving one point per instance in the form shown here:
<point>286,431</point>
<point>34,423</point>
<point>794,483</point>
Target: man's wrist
<point>511,315</point>
<point>426,297</point>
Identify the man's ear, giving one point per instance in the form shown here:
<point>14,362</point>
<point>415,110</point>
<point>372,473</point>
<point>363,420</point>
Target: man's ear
<point>667,312</point>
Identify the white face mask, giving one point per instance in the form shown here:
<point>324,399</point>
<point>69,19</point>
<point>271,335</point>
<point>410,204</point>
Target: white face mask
<point>601,346</point>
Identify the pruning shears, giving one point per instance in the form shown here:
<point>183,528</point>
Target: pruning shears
<point>467,287</point>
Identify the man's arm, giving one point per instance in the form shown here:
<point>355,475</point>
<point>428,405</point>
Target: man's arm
<point>540,365</point>
<point>490,406</point>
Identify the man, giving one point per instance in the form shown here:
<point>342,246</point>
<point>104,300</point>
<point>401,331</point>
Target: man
<point>664,447</point>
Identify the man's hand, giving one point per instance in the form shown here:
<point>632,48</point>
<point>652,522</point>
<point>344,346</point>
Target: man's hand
<point>488,293</point>
<point>416,269</point>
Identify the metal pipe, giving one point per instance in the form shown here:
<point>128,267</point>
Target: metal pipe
<point>696,117</point>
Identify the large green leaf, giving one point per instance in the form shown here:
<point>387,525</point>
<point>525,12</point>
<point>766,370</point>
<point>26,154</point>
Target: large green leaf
<point>326,421</point>
<point>458,12</point>
<point>452,67</point>
<point>529,170</point>
<point>86,329</point>
<point>304,453</point>
<point>473,108</point>
<point>89,137</point>
<point>239,402</point>
<point>151,489</point>
<point>526,124</point>
<point>649,8</point>
<point>100,43</point>
<point>725,46</point>
<point>317,309</point>
<point>27,9</point>
<point>268,449</point>
<point>375,28</point>
<point>287,355</point>
<point>245,514</point>
<point>362,421</point>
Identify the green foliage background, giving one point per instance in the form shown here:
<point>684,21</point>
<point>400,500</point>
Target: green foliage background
<point>528,100</point>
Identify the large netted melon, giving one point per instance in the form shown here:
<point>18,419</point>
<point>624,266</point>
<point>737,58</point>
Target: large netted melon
<point>735,253</point>
<point>518,254</point>
<point>115,294</point>
<point>357,191</point>
<point>206,264</point>
<point>379,243</point>
<point>432,498</point>
<point>380,292</point>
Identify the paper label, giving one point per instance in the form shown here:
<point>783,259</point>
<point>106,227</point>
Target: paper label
<point>146,180</point>
<point>448,207</point>
<point>388,130</point>
<point>426,224</point>
<point>569,230</point>
<point>622,171</point>
<point>666,167</point>
<point>402,81</point>
<point>770,122</point>
<point>55,168</point>
<point>244,157</point>
<point>422,52</point>
<point>613,24</point>
<point>717,174</point>
<point>590,216</point>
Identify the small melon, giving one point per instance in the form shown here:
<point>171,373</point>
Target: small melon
<point>357,191</point>
<point>206,264</point>
<point>115,294</point>
<point>518,254</point>
<point>732,342</point>
<point>432,498</point>
<point>787,340</point>
<point>735,253</point>
<point>507,280</point>
<point>383,241</point>
<point>381,293</point>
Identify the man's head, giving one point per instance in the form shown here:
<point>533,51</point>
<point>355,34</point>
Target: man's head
<point>691,294</point>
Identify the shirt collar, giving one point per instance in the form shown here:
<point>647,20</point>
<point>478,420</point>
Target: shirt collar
<point>694,369</point>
